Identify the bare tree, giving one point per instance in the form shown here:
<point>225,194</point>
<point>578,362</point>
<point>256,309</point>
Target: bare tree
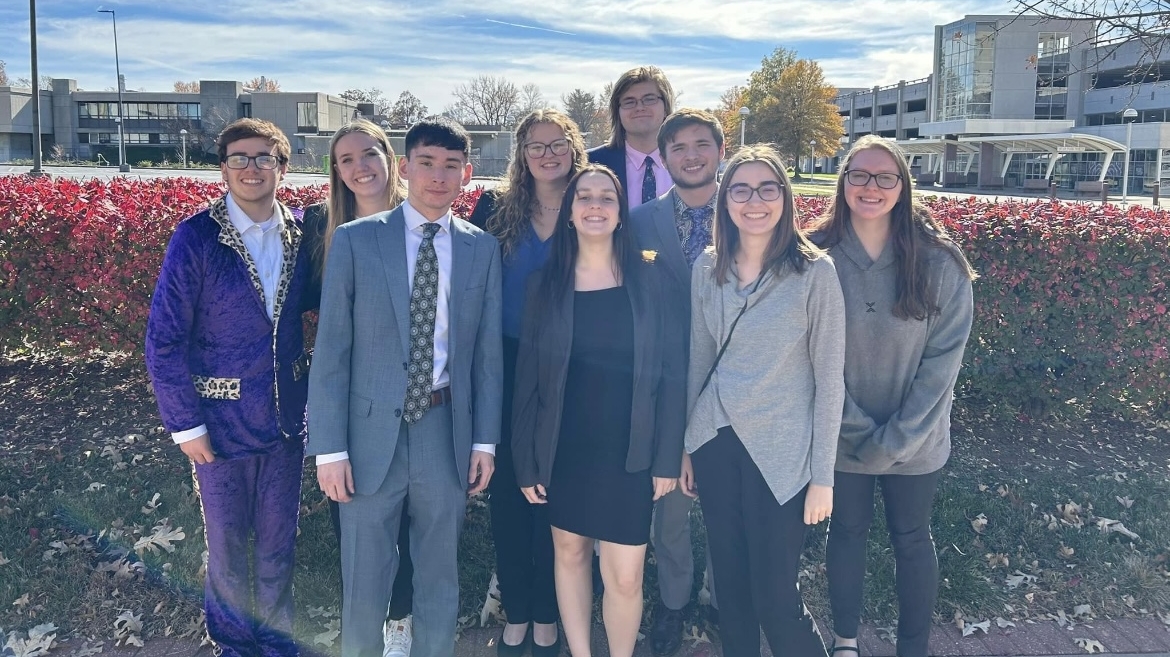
<point>3,74</point>
<point>530,99</point>
<point>486,100</point>
<point>728,112</point>
<point>191,87</point>
<point>262,84</point>
<point>372,95</point>
<point>581,106</point>
<point>1140,26</point>
<point>407,110</point>
<point>602,124</point>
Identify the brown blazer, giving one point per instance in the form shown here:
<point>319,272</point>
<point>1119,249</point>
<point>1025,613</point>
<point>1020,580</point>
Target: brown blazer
<point>658,416</point>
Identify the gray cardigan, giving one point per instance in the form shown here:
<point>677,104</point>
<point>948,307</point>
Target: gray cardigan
<point>899,374</point>
<point>779,385</point>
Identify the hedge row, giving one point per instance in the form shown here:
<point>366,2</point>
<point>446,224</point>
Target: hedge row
<point>1070,305</point>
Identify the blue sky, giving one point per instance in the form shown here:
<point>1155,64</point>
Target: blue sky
<point>705,46</point>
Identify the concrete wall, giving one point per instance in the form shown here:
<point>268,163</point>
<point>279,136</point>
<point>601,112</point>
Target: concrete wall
<point>1152,95</point>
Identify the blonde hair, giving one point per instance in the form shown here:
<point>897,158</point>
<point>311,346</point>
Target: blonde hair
<point>342,204</point>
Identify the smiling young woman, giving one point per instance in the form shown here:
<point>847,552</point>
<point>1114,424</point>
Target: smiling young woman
<point>766,315</point>
<point>908,311</point>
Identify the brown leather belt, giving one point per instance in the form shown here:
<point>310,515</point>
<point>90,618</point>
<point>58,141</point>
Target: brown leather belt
<point>441,396</point>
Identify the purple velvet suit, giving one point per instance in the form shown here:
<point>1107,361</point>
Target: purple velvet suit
<point>215,358</point>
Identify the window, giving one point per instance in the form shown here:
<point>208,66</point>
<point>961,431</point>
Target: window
<point>246,110</point>
<point>307,117</point>
<point>916,105</point>
<point>83,137</point>
<point>966,62</point>
<point>1052,70</point>
<point>887,110</point>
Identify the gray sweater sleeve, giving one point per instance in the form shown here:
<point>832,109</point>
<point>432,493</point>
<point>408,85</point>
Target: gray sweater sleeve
<point>826,345</point>
<point>930,392</point>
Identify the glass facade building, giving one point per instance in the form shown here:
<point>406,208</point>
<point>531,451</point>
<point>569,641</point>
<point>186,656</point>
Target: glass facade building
<point>966,63</point>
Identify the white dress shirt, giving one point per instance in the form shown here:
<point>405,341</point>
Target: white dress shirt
<point>264,245</point>
<point>442,242</point>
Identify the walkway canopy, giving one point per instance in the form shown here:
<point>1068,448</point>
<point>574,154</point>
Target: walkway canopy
<point>1055,144</point>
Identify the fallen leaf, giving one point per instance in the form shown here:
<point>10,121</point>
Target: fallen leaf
<point>1089,645</point>
<point>87,650</point>
<point>982,626</point>
<point>888,634</point>
<point>979,523</point>
<point>1083,610</point>
<point>491,604</point>
<point>332,631</point>
<point>162,537</point>
<point>39,642</point>
<point>152,505</point>
<point>1018,578</point>
<point>1003,623</point>
<point>94,487</point>
<point>127,627</point>
<point>1108,526</point>
<point>21,601</point>
<point>3,561</point>
<point>696,636</point>
<point>1124,501</point>
<point>1066,552</point>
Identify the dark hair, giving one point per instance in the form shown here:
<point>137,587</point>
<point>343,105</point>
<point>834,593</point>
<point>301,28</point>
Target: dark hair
<point>516,195</point>
<point>617,135</point>
<point>558,275</point>
<point>788,245</point>
<point>912,228</point>
<point>249,128</point>
<point>685,117</point>
<point>439,131</point>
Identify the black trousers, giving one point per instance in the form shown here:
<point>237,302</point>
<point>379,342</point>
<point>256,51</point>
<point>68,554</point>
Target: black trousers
<point>908,501</point>
<point>520,531</point>
<point>402,593</point>
<point>755,545</point>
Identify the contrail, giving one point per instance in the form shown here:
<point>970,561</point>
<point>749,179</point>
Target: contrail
<point>530,27</point>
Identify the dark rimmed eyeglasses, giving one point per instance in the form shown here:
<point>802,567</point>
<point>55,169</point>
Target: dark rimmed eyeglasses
<point>859,178</point>
<point>266,162</point>
<point>536,149</point>
<point>649,100</point>
<point>742,192</point>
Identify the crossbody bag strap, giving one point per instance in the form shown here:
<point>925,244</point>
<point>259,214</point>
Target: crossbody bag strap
<point>730,331</point>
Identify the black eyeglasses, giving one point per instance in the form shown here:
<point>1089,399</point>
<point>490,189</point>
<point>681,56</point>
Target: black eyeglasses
<point>859,178</point>
<point>649,100</point>
<point>536,149</point>
<point>266,162</point>
<point>742,192</point>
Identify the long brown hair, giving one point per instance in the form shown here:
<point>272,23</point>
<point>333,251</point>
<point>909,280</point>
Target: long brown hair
<point>788,245</point>
<point>342,204</point>
<point>912,227</point>
<point>516,195</point>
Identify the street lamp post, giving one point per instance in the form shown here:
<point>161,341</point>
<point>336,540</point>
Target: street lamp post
<point>1127,117</point>
<point>812,158</point>
<point>123,166</point>
<point>36,91</point>
<point>743,114</point>
<point>183,136</point>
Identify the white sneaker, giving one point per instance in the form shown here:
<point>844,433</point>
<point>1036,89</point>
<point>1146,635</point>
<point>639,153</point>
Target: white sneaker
<point>397,638</point>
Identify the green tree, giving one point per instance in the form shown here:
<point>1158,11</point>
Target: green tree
<point>581,106</point>
<point>407,110</point>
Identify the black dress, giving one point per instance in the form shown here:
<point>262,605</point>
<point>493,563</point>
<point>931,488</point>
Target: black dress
<point>590,493</point>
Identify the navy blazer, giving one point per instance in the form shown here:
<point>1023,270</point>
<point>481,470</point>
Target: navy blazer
<point>658,412</point>
<point>612,158</point>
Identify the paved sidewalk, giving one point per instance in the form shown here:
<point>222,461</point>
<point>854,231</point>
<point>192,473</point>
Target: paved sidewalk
<point>1120,638</point>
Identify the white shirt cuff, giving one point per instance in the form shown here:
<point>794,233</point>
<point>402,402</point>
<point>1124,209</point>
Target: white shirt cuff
<point>484,447</point>
<point>322,459</point>
<point>181,437</point>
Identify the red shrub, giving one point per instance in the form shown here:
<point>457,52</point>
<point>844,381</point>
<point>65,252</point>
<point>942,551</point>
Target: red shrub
<point>1071,303</point>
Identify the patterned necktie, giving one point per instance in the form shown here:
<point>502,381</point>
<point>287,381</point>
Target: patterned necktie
<point>649,184</point>
<point>423,298</point>
<point>698,233</point>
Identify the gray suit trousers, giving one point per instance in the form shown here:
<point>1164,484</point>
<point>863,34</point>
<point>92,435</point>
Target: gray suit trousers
<point>423,467</point>
<point>671,537</point>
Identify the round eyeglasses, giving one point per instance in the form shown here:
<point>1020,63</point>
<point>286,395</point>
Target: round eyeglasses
<point>742,192</point>
<point>266,162</point>
<point>859,178</point>
<point>536,149</point>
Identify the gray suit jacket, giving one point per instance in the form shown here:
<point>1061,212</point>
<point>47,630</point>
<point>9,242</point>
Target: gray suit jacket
<point>655,230</point>
<point>658,413</point>
<point>358,380</point>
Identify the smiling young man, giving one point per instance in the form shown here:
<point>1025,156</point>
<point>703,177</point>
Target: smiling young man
<point>641,99</point>
<point>406,396</point>
<point>224,348</point>
<point>677,226</point>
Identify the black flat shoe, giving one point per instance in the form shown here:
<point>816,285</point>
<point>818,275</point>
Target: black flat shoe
<point>546,651</point>
<point>837,648</point>
<point>666,632</point>
<point>506,650</point>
